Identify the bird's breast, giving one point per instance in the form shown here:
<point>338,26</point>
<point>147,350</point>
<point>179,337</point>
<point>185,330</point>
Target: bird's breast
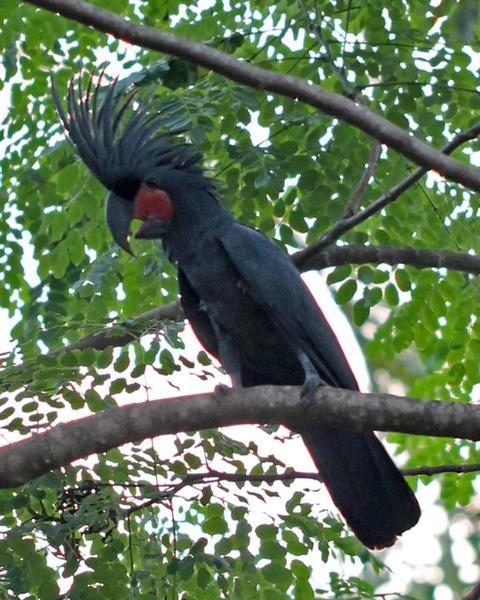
<point>223,294</point>
<point>265,352</point>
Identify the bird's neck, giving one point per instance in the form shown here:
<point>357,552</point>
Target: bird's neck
<point>196,220</point>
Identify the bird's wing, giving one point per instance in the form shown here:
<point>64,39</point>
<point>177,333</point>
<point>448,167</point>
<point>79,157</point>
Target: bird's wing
<point>273,281</point>
<point>199,319</point>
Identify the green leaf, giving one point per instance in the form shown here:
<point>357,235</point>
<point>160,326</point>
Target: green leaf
<point>339,274</point>
<point>94,400</point>
<point>203,578</point>
<point>266,532</point>
<point>121,362</point>
<point>403,280</point>
<point>391,295</point>
<point>346,291</point>
<point>361,312</point>
<point>215,525</point>
<point>278,575</point>
<point>272,550</point>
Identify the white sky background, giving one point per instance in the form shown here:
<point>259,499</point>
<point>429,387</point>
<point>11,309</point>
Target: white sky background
<point>415,555</point>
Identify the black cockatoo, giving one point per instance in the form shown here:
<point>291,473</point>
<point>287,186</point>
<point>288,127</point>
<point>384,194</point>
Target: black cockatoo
<point>243,297</point>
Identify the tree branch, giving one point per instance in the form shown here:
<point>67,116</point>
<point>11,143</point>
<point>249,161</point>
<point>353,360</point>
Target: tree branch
<point>439,469</point>
<point>420,258</point>
<point>151,321</point>
<point>167,490</point>
<point>126,331</point>
<point>119,334</point>
<point>22,461</point>
<point>207,476</point>
<point>362,185</point>
<point>348,223</point>
<point>247,74</point>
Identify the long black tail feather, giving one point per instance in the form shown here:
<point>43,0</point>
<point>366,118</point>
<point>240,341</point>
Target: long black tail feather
<point>364,483</point>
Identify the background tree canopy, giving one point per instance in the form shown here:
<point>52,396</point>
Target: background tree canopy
<point>199,516</point>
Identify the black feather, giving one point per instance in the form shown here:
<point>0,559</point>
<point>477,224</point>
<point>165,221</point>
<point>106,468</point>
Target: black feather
<point>244,298</point>
<point>119,142</point>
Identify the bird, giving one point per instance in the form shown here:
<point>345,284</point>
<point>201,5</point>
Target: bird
<point>243,297</point>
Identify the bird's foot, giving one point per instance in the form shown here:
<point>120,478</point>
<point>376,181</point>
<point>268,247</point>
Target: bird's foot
<point>221,390</point>
<point>309,388</point>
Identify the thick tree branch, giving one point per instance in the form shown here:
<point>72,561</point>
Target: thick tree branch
<point>25,460</point>
<point>348,223</point>
<point>247,74</point>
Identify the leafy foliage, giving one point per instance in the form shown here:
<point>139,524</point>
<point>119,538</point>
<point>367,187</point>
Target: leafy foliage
<point>117,526</point>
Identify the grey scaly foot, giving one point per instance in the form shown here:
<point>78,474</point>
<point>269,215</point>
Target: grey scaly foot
<point>311,382</point>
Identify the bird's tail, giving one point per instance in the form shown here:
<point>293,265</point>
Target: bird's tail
<point>364,483</point>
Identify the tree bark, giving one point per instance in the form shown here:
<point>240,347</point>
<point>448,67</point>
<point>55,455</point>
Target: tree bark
<point>22,461</point>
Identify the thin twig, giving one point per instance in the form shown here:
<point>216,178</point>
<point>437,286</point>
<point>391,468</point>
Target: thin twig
<point>215,476</point>
<point>118,335</point>
<point>439,469</point>
<point>362,185</point>
<point>316,29</point>
<point>126,331</point>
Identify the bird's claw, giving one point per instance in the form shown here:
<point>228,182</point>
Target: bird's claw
<point>310,386</point>
<point>221,390</point>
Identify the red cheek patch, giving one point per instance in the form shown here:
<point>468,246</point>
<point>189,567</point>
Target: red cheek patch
<point>153,203</point>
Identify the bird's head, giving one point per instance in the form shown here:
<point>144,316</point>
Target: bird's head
<point>127,149</point>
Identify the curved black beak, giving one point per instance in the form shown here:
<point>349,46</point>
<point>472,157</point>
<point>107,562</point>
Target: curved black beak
<point>119,215</point>
<point>152,228</point>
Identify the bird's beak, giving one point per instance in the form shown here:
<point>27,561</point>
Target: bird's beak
<point>152,228</point>
<point>119,214</point>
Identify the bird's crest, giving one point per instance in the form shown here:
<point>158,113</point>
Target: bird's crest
<point>120,143</point>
